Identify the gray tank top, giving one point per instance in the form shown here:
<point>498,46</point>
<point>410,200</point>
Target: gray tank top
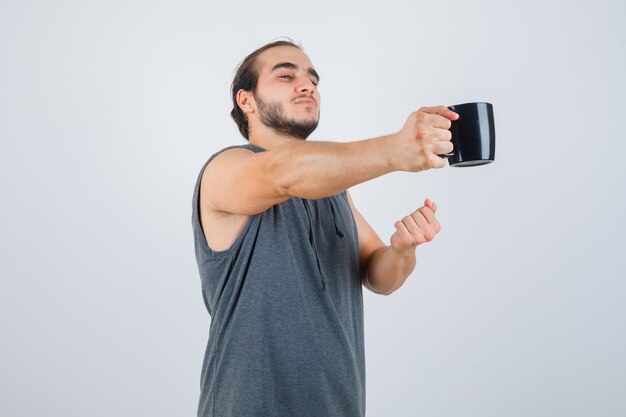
<point>286,307</point>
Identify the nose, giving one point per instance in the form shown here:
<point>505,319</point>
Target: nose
<point>306,85</point>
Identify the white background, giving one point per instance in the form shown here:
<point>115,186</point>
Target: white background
<point>108,110</point>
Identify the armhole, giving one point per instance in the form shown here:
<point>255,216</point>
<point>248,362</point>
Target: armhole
<point>197,213</point>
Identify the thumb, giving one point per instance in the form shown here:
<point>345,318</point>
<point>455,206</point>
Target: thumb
<point>431,205</point>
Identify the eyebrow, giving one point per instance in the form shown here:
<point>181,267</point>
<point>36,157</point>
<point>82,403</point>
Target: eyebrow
<point>311,71</point>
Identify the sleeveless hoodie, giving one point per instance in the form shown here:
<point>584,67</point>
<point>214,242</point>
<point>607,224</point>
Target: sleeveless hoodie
<point>286,335</point>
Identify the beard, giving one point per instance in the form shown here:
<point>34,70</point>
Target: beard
<point>272,115</point>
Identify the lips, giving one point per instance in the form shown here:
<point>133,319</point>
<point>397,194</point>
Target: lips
<point>306,101</point>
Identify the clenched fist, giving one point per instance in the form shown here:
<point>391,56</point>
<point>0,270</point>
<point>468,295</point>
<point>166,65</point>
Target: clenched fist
<point>424,136</point>
<point>416,228</point>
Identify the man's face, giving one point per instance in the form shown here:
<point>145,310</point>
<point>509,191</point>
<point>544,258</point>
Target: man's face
<point>286,97</point>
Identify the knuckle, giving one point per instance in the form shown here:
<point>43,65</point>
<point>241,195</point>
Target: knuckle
<point>421,132</point>
<point>420,116</point>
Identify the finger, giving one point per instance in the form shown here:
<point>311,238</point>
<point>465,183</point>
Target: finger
<point>440,121</point>
<point>420,219</point>
<point>441,110</point>
<point>415,233</point>
<point>402,230</point>
<point>441,147</point>
<point>431,218</point>
<point>436,161</point>
<point>419,227</point>
<point>428,202</point>
<point>416,223</point>
<point>428,214</point>
<point>428,223</point>
<point>442,134</point>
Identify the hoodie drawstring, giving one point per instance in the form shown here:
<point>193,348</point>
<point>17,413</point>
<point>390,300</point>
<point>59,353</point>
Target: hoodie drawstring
<point>312,238</point>
<point>338,231</point>
<point>335,219</point>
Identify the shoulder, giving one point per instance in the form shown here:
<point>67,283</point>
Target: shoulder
<point>224,159</point>
<point>230,152</point>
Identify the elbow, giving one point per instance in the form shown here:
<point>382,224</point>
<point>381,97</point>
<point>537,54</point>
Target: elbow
<point>286,186</point>
<point>389,292</point>
<point>376,290</point>
<point>385,293</point>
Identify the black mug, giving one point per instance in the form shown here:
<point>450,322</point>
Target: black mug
<point>473,135</point>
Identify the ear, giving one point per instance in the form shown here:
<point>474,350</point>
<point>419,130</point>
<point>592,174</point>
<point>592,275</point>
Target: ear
<point>246,102</point>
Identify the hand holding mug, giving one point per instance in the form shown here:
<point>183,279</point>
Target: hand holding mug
<point>463,133</point>
<point>424,136</point>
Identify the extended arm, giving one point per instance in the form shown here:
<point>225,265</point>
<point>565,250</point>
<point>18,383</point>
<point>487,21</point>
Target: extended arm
<point>319,169</point>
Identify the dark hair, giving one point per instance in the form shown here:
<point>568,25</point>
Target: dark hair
<point>246,78</point>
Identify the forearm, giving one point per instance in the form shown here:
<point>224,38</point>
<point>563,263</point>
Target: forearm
<point>388,269</point>
<point>318,169</point>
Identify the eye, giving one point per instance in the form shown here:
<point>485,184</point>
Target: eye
<point>283,76</point>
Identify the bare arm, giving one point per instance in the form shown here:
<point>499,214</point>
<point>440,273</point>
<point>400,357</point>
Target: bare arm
<point>385,268</point>
<point>388,269</point>
<point>319,169</point>
<point>391,265</point>
<point>242,182</point>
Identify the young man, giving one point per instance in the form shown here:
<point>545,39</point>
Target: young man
<point>283,252</point>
